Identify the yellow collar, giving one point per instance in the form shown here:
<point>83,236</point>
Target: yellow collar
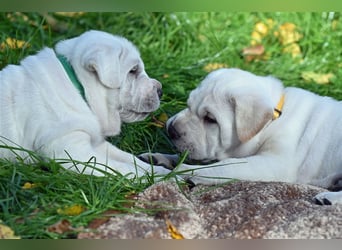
<point>278,110</point>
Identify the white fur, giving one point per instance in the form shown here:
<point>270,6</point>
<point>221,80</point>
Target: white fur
<point>303,145</point>
<point>41,110</point>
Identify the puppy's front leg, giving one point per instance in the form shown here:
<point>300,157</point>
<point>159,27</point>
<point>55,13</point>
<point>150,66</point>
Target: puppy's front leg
<point>122,156</point>
<point>166,160</point>
<point>105,157</point>
<point>255,168</point>
<point>328,198</point>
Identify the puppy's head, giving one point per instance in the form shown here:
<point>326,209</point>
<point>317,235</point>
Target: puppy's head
<point>225,111</point>
<point>113,76</point>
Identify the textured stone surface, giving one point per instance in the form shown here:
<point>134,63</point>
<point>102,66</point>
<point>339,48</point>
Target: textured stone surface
<point>238,210</point>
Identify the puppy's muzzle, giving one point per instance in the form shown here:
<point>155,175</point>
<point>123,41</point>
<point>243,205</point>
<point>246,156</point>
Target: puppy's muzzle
<point>160,93</point>
<point>157,85</point>
<point>172,132</point>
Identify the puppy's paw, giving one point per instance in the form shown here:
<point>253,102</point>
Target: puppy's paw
<point>328,198</point>
<point>165,160</point>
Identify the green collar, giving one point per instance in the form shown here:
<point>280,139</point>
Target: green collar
<point>71,73</point>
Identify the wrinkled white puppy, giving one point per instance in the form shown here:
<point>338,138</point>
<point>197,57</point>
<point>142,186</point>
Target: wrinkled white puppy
<point>63,103</point>
<point>258,130</point>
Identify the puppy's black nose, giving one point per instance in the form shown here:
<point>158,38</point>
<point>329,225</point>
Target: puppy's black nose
<point>172,132</point>
<point>160,92</point>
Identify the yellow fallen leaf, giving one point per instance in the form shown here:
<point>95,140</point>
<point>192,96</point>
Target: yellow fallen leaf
<point>174,233</point>
<point>287,33</point>
<point>29,185</point>
<point>13,43</point>
<point>260,30</point>
<point>160,121</point>
<point>163,117</point>
<point>288,36</point>
<point>293,49</point>
<point>71,210</point>
<point>256,38</point>
<point>213,66</point>
<point>317,78</point>
<point>7,233</point>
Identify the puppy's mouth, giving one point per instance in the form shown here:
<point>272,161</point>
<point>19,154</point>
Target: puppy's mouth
<point>139,113</point>
<point>200,162</point>
<point>193,161</point>
<point>133,116</point>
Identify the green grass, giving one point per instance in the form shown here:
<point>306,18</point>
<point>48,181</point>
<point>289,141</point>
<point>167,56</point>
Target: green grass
<point>175,48</point>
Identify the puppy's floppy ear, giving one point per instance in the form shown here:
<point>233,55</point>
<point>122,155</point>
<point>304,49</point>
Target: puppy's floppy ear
<point>66,47</point>
<point>103,61</point>
<point>251,115</point>
<point>106,64</point>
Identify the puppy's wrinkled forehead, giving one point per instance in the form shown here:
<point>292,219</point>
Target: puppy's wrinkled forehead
<point>208,86</point>
<point>128,50</point>
<point>223,81</point>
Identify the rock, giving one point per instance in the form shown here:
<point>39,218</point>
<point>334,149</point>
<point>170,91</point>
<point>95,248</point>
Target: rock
<point>237,210</point>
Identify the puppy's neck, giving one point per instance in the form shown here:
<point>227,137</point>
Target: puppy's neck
<point>71,74</point>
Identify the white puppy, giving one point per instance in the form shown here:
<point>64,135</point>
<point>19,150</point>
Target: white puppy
<point>258,130</point>
<point>63,103</point>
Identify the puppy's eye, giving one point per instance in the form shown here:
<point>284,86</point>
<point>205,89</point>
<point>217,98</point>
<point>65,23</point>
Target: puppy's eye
<point>208,118</point>
<point>134,70</point>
